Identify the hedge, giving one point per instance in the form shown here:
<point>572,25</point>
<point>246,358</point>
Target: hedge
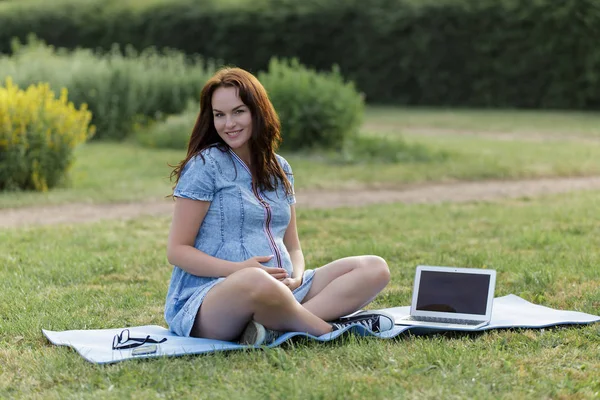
<point>475,53</point>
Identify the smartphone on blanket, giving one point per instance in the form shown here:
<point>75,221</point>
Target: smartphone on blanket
<point>143,350</point>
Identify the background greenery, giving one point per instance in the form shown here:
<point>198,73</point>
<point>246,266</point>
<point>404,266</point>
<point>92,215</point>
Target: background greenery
<point>121,90</point>
<point>484,53</point>
<point>511,53</point>
<point>128,92</point>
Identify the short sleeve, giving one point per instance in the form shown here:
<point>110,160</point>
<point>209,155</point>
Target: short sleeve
<point>291,199</point>
<point>197,180</point>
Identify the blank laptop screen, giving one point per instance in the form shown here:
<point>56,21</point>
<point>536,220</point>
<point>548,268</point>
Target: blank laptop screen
<point>453,292</point>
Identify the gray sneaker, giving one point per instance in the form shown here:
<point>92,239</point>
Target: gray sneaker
<point>256,334</point>
<point>375,321</point>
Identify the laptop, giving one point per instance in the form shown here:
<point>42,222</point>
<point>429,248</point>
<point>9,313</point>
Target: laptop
<point>451,298</point>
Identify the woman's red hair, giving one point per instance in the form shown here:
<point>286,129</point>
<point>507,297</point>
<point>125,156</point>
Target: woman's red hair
<point>266,128</point>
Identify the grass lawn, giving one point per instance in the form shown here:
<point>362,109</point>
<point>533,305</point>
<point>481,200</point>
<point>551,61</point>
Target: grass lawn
<point>524,122</point>
<point>469,158</point>
<point>114,273</point>
<point>111,172</point>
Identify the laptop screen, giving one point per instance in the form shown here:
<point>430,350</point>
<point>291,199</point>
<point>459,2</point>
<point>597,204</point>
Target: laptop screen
<point>461,293</point>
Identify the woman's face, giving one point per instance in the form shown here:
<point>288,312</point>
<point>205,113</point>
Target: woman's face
<point>232,118</point>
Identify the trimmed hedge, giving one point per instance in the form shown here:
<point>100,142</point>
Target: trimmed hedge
<point>476,53</point>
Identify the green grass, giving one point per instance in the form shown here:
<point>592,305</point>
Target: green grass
<point>525,122</point>
<point>114,273</point>
<point>111,172</point>
<point>470,158</point>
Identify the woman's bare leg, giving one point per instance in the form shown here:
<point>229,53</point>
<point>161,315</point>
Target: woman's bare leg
<point>248,294</point>
<point>346,285</point>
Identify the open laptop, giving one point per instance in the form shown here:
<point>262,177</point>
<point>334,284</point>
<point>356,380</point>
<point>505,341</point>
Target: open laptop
<point>451,298</point>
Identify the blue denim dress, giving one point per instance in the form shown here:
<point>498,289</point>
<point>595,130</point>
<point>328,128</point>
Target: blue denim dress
<point>239,224</point>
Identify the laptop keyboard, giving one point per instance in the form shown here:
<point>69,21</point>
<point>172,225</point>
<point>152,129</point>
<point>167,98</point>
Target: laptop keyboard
<point>444,320</point>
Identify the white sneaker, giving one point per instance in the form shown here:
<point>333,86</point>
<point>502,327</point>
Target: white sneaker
<point>256,334</point>
<point>375,321</point>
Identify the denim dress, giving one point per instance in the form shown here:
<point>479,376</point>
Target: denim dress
<point>240,224</point>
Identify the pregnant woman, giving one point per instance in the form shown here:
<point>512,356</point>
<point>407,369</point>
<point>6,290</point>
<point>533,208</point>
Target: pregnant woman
<point>239,271</point>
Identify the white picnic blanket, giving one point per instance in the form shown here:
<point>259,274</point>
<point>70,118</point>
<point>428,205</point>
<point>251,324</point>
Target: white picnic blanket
<point>96,345</point>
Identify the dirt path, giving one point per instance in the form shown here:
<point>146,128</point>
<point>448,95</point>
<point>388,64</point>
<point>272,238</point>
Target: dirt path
<point>429,193</point>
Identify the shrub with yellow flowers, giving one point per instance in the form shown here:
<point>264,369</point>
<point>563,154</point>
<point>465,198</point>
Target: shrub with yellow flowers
<point>38,133</point>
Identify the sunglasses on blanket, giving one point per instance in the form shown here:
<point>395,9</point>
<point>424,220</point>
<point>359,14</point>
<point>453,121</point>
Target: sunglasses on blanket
<point>121,341</point>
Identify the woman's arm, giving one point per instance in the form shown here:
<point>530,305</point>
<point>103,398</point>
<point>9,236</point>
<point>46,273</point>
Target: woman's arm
<point>187,218</point>
<point>292,244</point>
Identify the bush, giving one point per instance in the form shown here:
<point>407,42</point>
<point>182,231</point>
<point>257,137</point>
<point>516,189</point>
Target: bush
<point>120,89</point>
<point>317,110</point>
<point>37,135</point>
<point>172,133</point>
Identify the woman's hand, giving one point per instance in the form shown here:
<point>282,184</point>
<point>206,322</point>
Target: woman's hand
<point>256,262</point>
<point>292,283</point>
